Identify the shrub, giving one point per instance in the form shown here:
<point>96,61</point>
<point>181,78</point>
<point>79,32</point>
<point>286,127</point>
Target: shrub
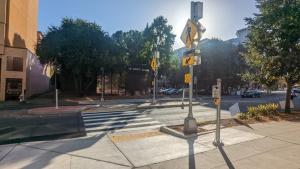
<point>243,116</point>
<point>256,112</point>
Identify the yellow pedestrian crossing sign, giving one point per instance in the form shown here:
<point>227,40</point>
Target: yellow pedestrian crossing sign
<point>187,78</point>
<point>189,33</point>
<point>154,64</point>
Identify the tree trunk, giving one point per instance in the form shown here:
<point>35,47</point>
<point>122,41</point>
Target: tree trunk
<point>288,98</point>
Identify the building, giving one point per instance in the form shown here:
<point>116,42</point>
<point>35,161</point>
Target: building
<point>241,37</point>
<point>21,72</point>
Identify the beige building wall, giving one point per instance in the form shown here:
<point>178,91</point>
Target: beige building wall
<point>21,27</point>
<point>18,39</point>
<point>2,24</point>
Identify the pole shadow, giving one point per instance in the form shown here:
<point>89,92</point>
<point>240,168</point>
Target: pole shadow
<point>225,157</point>
<point>192,162</point>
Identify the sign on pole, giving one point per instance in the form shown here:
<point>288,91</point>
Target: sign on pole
<point>186,61</point>
<point>234,109</point>
<point>196,10</point>
<point>154,64</point>
<point>216,93</point>
<point>189,33</point>
<point>187,78</point>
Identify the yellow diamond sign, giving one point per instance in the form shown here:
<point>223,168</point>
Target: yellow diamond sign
<point>189,33</point>
<point>154,64</point>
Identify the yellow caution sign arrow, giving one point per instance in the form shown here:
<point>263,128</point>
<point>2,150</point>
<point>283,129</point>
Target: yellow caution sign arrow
<point>186,61</point>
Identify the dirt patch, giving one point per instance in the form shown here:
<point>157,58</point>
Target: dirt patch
<point>278,117</point>
<point>134,136</point>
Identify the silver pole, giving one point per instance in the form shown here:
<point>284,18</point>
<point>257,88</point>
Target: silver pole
<point>218,135</point>
<point>102,81</point>
<point>191,93</point>
<point>154,87</point>
<point>182,104</point>
<point>56,92</point>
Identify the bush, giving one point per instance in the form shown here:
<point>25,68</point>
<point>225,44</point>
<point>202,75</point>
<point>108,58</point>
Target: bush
<point>256,112</point>
<point>243,116</point>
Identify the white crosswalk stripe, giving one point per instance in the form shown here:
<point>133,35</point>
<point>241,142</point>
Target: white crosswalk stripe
<point>120,121</point>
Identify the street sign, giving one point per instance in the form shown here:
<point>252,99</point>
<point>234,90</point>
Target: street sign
<point>196,10</point>
<point>189,33</point>
<point>154,64</point>
<point>216,92</point>
<point>186,61</point>
<point>187,78</point>
<point>234,109</point>
<point>217,102</point>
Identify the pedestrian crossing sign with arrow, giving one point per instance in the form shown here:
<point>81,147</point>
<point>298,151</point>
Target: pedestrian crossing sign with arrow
<point>186,61</point>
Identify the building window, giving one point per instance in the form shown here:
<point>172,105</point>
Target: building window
<point>14,64</point>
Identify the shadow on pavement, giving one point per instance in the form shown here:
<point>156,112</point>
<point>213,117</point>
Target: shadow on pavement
<point>192,162</point>
<point>225,157</point>
<point>45,159</point>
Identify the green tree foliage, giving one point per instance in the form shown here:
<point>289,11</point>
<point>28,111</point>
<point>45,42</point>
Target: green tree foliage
<point>160,33</point>
<point>256,71</point>
<point>275,40</point>
<point>80,48</point>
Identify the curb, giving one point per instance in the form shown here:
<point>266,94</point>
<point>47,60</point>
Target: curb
<point>167,106</point>
<point>167,130</point>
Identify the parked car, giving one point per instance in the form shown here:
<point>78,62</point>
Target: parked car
<point>293,94</point>
<point>171,91</point>
<point>162,91</point>
<point>179,91</point>
<point>296,90</point>
<point>251,94</point>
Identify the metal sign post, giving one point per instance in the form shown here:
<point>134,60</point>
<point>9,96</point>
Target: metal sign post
<point>56,92</point>
<point>102,87</point>
<point>154,66</point>
<point>217,100</point>
<point>191,34</point>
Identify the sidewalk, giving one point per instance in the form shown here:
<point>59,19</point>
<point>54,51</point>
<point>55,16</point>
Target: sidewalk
<point>266,145</point>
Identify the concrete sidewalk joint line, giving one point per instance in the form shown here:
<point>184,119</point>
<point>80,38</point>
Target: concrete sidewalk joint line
<point>9,151</point>
<point>121,152</point>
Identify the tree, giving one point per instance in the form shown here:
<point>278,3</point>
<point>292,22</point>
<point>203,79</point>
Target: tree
<point>275,37</point>
<point>160,33</point>
<point>80,48</point>
<point>256,70</point>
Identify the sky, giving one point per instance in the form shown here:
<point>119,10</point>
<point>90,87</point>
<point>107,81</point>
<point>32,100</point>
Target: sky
<point>221,18</point>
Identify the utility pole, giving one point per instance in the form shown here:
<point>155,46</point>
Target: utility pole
<point>217,89</point>
<point>193,29</point>
<point>102,86</point>
<point>155,65</point>
<point>56,90</point>
<point>57,69</point>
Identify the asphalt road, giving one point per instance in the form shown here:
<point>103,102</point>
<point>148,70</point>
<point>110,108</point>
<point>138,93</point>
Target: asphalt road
<point>228,101</point>
<point>206,111</point>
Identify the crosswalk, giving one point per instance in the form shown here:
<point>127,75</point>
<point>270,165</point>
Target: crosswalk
<point>118,121</point>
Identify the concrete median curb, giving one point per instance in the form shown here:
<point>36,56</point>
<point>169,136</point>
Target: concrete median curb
<point>168,130</point>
